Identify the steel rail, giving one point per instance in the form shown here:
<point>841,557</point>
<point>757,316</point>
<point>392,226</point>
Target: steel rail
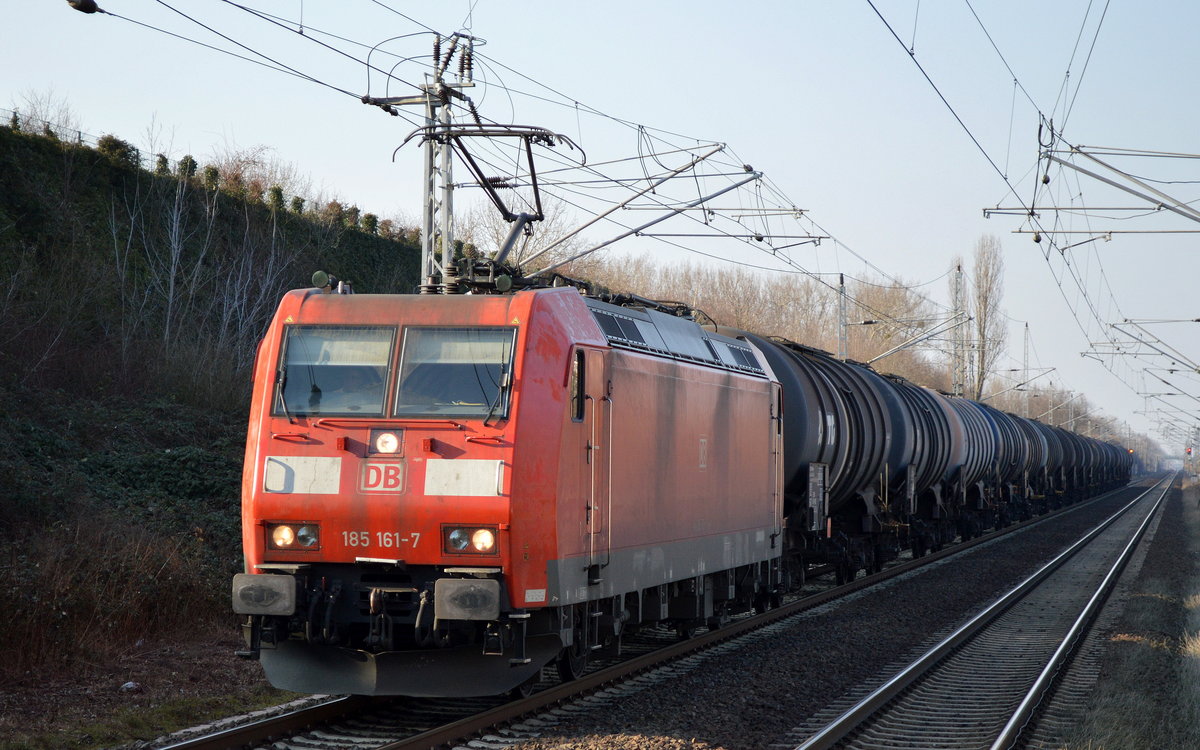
<point>265,729</point>
<point>1042,686</point>
<point>851,719</point>
<point>511,712</point>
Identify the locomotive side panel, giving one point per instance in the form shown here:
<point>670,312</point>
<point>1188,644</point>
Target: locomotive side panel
<point>681,478</point>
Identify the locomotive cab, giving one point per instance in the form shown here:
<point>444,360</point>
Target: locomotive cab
<point>377,495</point>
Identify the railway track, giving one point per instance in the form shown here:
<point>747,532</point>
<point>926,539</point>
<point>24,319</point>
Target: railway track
<point>982,685</point>
<point>394,724</point>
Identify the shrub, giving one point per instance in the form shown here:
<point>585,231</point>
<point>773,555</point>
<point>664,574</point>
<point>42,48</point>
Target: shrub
<point>90,586</point>
<point>187,167</point>
<point>120,152</point>
<point>275,198</point>
<point>212,178</point>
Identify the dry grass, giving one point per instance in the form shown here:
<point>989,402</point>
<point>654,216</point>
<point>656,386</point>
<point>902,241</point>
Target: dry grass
<point>88,588</point>
<point>1149,691</point>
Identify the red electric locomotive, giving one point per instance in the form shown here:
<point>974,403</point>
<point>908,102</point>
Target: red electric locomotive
<point>444,493</point>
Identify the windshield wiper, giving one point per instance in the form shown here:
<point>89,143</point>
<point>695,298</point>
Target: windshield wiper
<point>280,382</point>
<point>504,382</point>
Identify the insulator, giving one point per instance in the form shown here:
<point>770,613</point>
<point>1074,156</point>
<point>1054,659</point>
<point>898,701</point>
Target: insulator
<point>437,48</point>
<point>474,113</point>
<point>449,53</point>
<point>462,64</point>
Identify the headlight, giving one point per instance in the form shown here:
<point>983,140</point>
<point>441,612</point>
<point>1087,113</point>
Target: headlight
<point>483,540</point>
<point>308,536</point>
<point>283,537</point>
<point>457,540</point>
<point>385,441</point>
<point>469,540</point>
<point>290,536</point>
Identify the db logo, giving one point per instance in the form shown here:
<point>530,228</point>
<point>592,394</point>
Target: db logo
<point>380,476</point>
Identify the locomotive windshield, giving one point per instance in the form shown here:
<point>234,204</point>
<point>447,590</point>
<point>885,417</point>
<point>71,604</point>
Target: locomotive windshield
<point>455,372</point>
<point>334,370</point>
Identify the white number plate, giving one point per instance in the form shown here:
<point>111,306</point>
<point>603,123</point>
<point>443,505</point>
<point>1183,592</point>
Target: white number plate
<point>381,539</point>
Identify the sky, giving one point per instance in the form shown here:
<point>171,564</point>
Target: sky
<point>892,125</point>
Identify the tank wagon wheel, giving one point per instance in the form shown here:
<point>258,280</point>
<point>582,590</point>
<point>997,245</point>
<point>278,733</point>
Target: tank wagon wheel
<point>919,547</point>
<point>572,660</point>
<point>844,573</point>
<point>876,563</point>
<point>719,619</point>
<point>763,602</point>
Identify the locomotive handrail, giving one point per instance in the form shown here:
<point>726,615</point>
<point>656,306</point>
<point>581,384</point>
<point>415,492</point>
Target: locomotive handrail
<point>353,422</point>
<point>286,435</point>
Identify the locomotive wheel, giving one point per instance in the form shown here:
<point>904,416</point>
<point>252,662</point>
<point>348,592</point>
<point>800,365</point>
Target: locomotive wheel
<point>716,622</point>
<point>572,660</point>
<point>685,629</point>
<point>525,689</point>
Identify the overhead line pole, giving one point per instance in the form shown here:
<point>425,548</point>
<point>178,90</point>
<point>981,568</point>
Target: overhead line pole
<point>437,212</point>
<point>958,386</point>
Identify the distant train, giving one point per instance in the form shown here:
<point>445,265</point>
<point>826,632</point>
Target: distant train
<point>445,493</point>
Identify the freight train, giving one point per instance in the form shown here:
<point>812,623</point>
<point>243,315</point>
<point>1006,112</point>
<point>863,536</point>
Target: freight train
<point>445,493</point>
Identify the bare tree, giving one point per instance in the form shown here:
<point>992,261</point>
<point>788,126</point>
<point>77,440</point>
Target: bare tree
<point>894,315</point>
<point>990,327</point>
<point>484,231</point>
<point>255,169</point>
<point>45,112</point>
<point>795,307</point>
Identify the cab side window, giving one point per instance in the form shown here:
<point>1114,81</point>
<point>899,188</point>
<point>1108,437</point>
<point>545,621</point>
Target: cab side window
<point>576,385</point>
